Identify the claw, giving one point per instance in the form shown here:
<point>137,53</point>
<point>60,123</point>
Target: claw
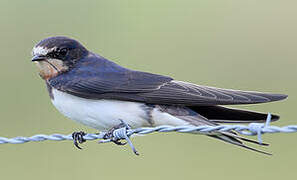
<point>109,133</point>
<point>78,138</point>
<point>117,142</point>
<point>118,133</point>
<point>109,136</point>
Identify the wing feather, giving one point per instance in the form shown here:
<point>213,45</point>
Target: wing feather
<point>183,93</point>
<point>115,82</point>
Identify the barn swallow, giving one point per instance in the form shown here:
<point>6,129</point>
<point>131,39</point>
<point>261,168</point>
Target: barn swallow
<point>98,93</point>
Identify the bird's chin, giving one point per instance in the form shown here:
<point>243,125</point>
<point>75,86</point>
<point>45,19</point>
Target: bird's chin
<point>50,68</point>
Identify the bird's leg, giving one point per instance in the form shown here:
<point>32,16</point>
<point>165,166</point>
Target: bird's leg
<point>78,138</point>
<point>118,133</point>
<point>109,134</point>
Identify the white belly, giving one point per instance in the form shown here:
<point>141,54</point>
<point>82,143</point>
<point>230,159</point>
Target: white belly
<point>104,114</point>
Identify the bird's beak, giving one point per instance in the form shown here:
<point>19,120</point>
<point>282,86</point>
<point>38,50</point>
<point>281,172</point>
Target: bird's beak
<point>38,58</point>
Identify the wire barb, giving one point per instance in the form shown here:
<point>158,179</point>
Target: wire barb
<point>125,132</point>
<point>121,134</point>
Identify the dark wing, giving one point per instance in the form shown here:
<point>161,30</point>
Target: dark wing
<point>93,86</point>
<point>183,93</point>
<point>155,89</point>
<point>99,78</point>
<point>94,77</point>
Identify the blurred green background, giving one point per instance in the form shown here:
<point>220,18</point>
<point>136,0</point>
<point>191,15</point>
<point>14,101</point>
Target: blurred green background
<point>248,45</point>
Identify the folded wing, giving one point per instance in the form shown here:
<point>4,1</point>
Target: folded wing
<point>188,94</point>
<point>144,87</point>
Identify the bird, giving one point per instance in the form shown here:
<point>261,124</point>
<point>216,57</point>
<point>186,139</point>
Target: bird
<point>99,93</point>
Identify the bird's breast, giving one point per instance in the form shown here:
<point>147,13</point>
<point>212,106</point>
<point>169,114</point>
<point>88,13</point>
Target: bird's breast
<point>100,114</point>
<point>104,114</point>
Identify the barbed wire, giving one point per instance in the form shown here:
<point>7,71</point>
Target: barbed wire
<point>125,132</point>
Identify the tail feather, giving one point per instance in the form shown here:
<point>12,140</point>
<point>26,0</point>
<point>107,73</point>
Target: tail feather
<point>220,114</point>
<point>234,139</point>
<point>210,115</point>
<point>234,135</point>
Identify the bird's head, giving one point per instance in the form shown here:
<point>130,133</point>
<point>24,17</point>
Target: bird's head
<point>55,55</point>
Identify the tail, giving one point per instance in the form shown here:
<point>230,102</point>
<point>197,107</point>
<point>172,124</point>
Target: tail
<point>211,115</point>
<point>219,114</point>
<point>229,137</point>
<point>234,139</point>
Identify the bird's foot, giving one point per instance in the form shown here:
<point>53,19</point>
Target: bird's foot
<point>78,138</point>
<point>109,134</point>
<point>118,133</point>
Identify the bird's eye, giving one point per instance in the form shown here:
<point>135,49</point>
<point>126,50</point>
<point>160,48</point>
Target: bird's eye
<point>58,53</point>
<point>63,52</point>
